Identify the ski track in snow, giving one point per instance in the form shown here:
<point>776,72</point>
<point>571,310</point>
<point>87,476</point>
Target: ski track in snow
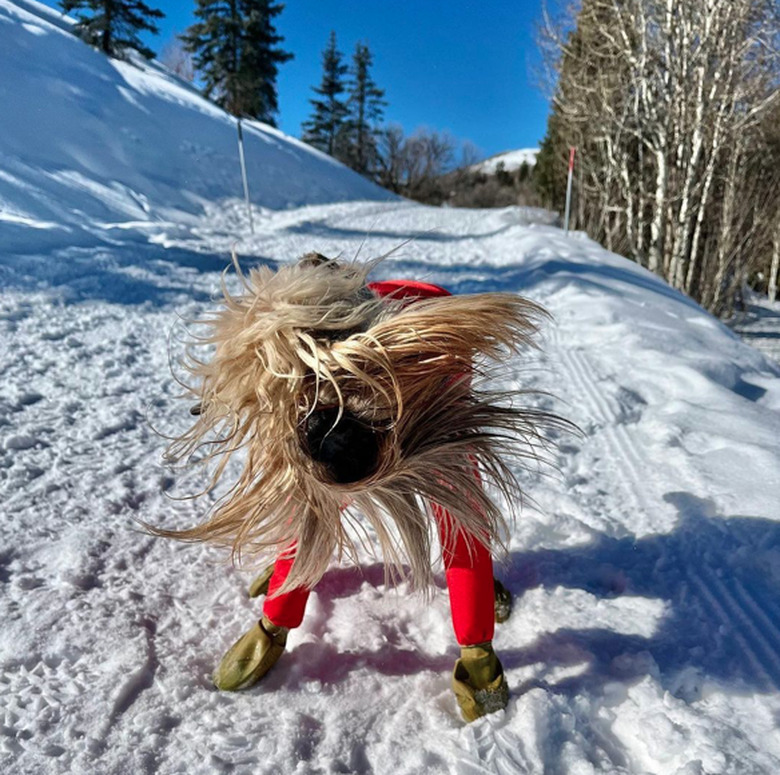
<point>645,562</point>
<point>618,445</point>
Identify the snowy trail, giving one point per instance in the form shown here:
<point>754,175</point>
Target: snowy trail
<point>615,443</point>
<point>639,600</point>
<point>645,638</point>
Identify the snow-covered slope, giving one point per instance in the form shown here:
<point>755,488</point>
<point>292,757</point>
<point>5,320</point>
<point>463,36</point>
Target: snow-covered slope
<point>91,145</point>
<point>645,634</point>
<point>511,160</point>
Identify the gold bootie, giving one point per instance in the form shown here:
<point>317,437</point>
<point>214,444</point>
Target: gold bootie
<point>251,656</point>
<point>260,585</point>
<point>478,681</point>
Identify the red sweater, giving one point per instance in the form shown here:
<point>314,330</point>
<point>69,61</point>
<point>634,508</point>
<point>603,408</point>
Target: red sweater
<point>407,289</point>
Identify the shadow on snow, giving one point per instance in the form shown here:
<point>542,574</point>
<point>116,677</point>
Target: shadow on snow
<point>127,274</point>
<point>718,577</point>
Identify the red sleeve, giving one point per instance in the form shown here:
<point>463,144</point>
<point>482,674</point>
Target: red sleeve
<point>407,289</point>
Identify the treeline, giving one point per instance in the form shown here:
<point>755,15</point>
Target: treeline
<point>430,166</point>
<point>347,110</point>
<point>233,47</point>
<point>675,111</point>
<point>113,26</point>
<point>234,52</point>
<point>472,186</point>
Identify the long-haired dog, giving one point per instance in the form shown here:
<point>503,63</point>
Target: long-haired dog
<point>335,397</point>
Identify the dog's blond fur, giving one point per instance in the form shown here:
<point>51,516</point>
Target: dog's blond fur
<point>311,335</point>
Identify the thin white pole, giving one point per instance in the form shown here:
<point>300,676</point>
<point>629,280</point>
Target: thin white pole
<point>243,176</point>
<point>572,151</point>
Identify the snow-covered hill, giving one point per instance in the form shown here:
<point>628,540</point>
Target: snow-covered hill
<point>645,635</point>
<point>91,145</point>
<point>511,160</point>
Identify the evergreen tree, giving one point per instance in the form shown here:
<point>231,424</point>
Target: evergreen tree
<point>326,127</point>
<point>365,112</point>
<point>236,51</point>
<point>549,172</point>
<point>114,24</point>
<point>260,59</point>
<point>215,43</point>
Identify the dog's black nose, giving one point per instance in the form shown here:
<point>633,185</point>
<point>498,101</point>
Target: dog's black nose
<point>347,447</point>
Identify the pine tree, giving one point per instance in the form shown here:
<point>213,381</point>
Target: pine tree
<point>215,43</point>
<point>325,128</point>
<point>365,112</point>
<point>236,51</point>
<point>260,59</point>
<point>549,172</point>
<point>115,24</point>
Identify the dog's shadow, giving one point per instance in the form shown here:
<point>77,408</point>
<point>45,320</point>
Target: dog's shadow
<point>717,577</point>
<point>322,661</point>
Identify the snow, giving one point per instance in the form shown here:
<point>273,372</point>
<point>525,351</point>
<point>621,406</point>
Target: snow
<point>645,635</point>
<point>512,160</point>
<point>759,325</point>
<point>89,143</point>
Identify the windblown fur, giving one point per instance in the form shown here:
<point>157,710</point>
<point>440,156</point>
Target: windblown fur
<point>312,335</point>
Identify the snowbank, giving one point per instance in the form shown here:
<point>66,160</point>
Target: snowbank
<point>91,146</point>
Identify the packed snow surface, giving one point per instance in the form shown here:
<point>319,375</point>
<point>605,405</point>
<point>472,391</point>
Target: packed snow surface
<point>759,324</point>
<point>645,636</point>
<point>511,160</point>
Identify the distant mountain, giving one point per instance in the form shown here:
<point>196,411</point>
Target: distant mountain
<point>511,160</point>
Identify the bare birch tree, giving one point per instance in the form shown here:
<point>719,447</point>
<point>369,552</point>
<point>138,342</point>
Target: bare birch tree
<point>667,101</point>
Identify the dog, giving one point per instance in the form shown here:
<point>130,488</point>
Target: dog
<point>344,397</point>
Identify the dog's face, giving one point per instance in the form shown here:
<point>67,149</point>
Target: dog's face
<point>334,396</point>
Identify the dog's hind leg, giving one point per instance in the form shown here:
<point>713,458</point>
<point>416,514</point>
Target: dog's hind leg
<point>502,602</point>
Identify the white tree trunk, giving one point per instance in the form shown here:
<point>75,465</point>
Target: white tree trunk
<point>660,94</point>
<point>658,223</point>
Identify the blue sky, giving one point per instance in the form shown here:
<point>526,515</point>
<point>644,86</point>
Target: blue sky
<point>464,66</point>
